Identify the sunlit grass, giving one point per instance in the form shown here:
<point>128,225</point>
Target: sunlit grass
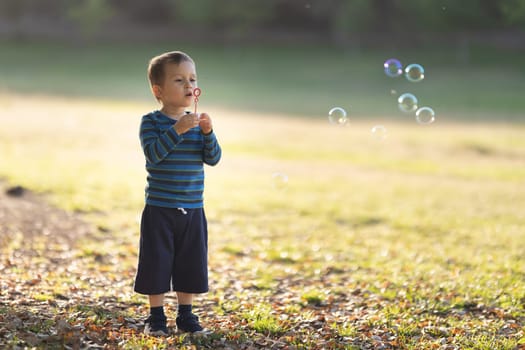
<point>42,297</point>
<point>313,297</point>
<point>345,330</point>
<point>263,320</point>
<point>430,216</point>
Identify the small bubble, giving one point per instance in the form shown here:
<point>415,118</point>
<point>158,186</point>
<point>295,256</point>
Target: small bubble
<point>379,132</point>
<point>393,68</point>
<point>414,72</point>
<point>407,103</point>
<point>337,115</point>
<point>425,115</point>
<point>279,181</point>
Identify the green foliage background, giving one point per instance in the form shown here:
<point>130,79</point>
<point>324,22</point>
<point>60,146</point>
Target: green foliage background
<point>331,18</point>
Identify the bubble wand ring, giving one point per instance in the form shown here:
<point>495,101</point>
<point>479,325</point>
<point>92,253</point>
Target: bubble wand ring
<point>196,93</point>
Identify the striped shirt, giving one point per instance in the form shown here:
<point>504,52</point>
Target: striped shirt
<point>175,163</point>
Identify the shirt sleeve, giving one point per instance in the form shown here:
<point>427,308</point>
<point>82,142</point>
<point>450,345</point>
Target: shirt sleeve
<point>155,143</point>
<point>212,149</point>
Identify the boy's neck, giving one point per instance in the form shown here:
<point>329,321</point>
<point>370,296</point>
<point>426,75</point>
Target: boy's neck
<point>173,113</point>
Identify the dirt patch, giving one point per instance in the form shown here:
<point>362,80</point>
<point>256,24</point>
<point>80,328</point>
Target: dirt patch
<point>52,293</point>
<point>27,216</point>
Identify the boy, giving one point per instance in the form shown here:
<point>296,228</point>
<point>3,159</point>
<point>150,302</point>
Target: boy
<point>173,232</point>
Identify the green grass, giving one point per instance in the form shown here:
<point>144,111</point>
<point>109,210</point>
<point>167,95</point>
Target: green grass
<point>419,236</point>
<point>313,297</point>
<point>263,320</point>
<point>300,80</point>
<point>424,227</point>
<point>345,330</point>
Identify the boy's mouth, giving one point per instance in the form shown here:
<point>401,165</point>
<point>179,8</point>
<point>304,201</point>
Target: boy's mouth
<point>189,94</point>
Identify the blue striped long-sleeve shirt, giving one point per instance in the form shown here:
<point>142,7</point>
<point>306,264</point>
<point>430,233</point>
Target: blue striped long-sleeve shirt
<point>175,163</point>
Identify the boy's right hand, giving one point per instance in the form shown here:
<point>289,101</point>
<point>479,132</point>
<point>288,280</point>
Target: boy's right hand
<point>186,122</point>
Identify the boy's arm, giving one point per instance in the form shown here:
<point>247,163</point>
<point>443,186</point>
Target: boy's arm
<point>157,146</point>
<point>212,151</point>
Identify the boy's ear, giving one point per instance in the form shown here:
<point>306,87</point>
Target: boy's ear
<point>156,90</point>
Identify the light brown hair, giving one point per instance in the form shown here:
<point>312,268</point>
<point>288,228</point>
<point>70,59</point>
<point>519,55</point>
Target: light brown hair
<point>157,64</point>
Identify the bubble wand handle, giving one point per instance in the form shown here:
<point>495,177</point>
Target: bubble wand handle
<point>196,93</point>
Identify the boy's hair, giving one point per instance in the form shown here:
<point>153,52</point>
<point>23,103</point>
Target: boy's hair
<point>157,64</point>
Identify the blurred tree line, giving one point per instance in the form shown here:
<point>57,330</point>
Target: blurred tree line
<point>334,20</point>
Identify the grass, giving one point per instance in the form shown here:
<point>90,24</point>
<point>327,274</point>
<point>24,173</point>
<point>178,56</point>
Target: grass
<point>262,319</point>
<point>313,297</point>
<point>419,236</point>
<point>345,330</point>
<point>297,80</point>
<point>423,227</point>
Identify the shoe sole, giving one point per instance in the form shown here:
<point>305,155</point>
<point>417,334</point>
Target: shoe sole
<point>197,333</point>
<point>156,333</point>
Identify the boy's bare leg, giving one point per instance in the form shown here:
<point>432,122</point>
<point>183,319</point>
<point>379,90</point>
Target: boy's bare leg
<point>156,300</point>
<point>184,298</point>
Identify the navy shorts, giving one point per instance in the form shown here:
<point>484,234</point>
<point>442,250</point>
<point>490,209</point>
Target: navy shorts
<point>173,252</point>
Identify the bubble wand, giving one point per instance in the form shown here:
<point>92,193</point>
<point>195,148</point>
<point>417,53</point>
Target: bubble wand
<point>196,93</point>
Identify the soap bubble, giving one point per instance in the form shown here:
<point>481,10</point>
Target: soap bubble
<point>425,115</point>
<point>379,132</point>
<point>279,181</point>
<point>393,67</point>
<point>414,72</point>
<point>407,102</point>
<point>337,115</point>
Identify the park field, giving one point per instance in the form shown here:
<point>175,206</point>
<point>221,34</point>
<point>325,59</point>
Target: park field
<point>415,241</point>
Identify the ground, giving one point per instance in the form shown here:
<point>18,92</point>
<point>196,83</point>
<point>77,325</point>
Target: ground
<point>32,230</point>
<point>391,244</point>
<point>26,214</point>
<point>39,250</point>
<point>38,311</point>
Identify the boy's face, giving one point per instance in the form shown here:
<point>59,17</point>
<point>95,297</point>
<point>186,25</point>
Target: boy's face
<point>177,88</point>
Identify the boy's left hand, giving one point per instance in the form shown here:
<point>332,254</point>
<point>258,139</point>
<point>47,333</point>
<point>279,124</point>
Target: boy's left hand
<point>205,123</point>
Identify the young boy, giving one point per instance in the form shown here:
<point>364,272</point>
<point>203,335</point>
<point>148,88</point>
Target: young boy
<point>173,232</point>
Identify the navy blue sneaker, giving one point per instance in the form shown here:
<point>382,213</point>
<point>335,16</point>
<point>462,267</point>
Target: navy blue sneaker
<point>156,327</point>
<point>189,323</point>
